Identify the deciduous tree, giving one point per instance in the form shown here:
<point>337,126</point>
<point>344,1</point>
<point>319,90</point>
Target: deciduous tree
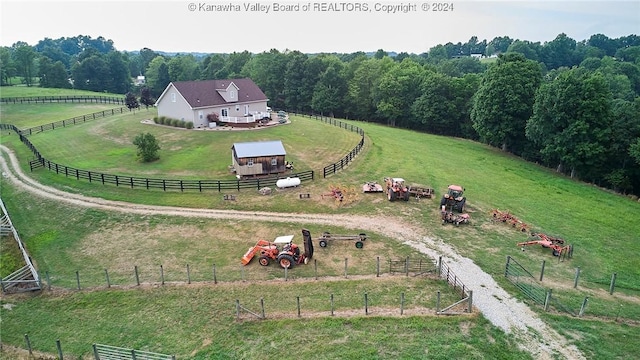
<point>147,147</point>
<point>504,101</point>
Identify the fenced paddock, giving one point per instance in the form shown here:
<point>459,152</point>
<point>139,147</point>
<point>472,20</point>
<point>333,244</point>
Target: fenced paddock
<point>63,99</point>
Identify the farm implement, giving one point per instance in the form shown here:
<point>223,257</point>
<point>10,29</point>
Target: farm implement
<point>448,217</point>
<point>454,199</point>
<point>555,244</point>
<point>326,237</point>
<point>282,250</point>
<point>372,187</point>
<point>420,192</point>
<point>508,218</point>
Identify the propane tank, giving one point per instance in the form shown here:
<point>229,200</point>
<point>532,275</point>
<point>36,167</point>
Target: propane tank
<point>288,182</point>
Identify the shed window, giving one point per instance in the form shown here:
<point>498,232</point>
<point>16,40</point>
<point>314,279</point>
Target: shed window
<point>249,162</point>
<point>274,161</point>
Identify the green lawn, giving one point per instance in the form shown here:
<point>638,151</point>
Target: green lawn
<point>601,225</point>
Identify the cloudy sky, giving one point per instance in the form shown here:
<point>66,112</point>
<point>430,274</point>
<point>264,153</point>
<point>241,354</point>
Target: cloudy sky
<point>310,26</point>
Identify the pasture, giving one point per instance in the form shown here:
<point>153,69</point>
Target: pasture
<point>601,225</point>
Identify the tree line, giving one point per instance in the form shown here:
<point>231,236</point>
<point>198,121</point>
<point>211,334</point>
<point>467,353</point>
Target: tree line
<point>573,106</point>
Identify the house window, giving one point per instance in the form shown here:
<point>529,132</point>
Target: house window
<point>246,109</point>
<point>274,162</point>
<point>173,97</point>
<point>249,162</point>
<point>224,112</point>
<point>201,114</point>
<point>232,94</point>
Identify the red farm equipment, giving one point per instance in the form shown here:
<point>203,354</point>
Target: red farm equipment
<point>372,187</point>
<point>508,218</point>
<point>396,189</point>
<point>555,244</point>
<point>282,250</point>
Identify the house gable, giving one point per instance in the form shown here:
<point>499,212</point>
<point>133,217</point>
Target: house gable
<point>230,93</point>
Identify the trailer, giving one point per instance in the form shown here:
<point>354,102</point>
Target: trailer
<point>326,237</point>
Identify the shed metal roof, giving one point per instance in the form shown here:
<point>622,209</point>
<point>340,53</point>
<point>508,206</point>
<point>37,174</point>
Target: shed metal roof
<point>259,148</point>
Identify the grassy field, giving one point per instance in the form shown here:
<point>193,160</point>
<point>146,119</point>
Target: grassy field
<point>602,226</point>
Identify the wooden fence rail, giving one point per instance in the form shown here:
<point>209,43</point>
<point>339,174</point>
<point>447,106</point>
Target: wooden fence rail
<point>63,99</point>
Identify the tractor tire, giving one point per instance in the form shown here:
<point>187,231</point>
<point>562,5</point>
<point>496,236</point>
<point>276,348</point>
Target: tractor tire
<point>263,260</point>
<point>286,261</point>
<point>405,196</point>
<point>443,202</point>
<point>359,244</point>
<point>391,195</point>
<point>461,205</point>
<point>323,243</point>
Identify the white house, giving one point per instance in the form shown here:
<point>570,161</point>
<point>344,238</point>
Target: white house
<point>235,101</point>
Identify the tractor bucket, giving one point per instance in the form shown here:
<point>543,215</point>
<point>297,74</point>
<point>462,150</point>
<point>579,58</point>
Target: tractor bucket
<point>308,244</point>
<point>248,256</point>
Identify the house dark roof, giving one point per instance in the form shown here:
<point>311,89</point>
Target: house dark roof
<point>204,93</point>
<point>260,148</point>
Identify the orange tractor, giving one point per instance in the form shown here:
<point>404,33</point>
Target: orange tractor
<point>282,250</point>
<point>396,189</point>
<point>454,199</point>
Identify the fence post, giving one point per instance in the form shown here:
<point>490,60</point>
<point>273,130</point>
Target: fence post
<point>95,352</point>
<point>135,269</point>
<point>584,305</point>
<point>286,274</point>
<point>575,281</point>
<point>188,275</point>
<point>470,302</point>
<point>331,304</point>
<point>345,267</point>
<point>547,300</point>
<point>106,275</point>
<point>613,283</point>
<point>366,304</point>
<point>26,339</point>
<point>262,307</point>
<point>438,303</point>
<point>133,354</point>
<point>298,303</point>
<point>161,275</point>
<point>378,266</point>
<point>506,268</point>
<point>237,309</point>
<point>78,278</point>
<point>401,303</point>
<point>406,266</point>
<point>439,265</point>
<point>315,268</point>
<point>46,274</point>
<point>242,273</point>
<point>542,270</point>
<point>215,280</point>
<point>59,349</point>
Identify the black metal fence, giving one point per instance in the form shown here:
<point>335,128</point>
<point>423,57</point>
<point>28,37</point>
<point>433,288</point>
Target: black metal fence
<point>164,184</point>
<point>74,120</point>
<point>342,163</point>
<point>63,99</point>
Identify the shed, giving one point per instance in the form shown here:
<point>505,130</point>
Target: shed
<point>258,158</point>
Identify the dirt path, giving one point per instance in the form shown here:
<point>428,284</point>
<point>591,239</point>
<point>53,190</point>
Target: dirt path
<point>494,302</point>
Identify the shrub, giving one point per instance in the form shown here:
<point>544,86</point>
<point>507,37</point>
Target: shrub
<point>155,119</point>
<point>189,125</point>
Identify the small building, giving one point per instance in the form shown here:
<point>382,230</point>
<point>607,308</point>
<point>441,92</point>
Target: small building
<point>251,159</point>
<point>237,102</point>
<point>140,80</point>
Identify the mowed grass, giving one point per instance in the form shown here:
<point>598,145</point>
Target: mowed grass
<point>601,225</point>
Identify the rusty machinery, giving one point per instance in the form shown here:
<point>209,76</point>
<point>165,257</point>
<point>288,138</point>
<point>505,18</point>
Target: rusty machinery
<point>282,250</point>
<point>557,245</point>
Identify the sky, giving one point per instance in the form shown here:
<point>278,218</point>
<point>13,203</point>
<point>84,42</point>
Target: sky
<point>310,26</point>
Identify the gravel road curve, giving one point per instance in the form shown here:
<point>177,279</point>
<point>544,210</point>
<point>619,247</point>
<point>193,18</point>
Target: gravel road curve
<point>505,312</point>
